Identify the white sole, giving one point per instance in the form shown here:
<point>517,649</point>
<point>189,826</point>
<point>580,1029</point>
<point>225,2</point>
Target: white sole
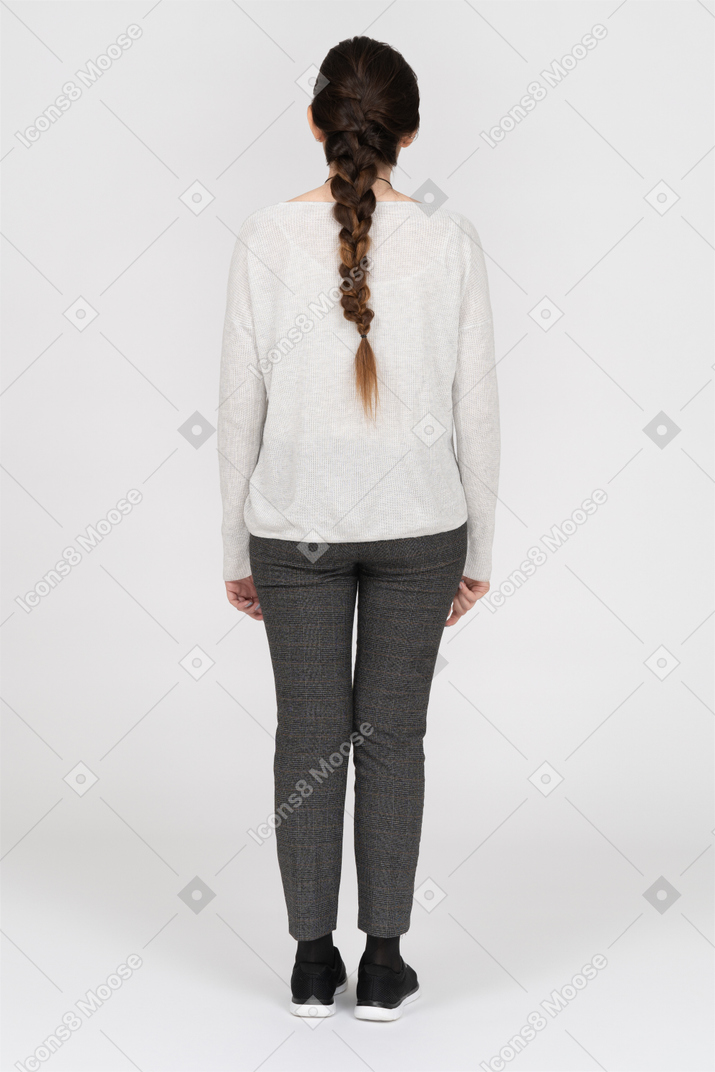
<point>374,1012</point>
<point>312,1011</point>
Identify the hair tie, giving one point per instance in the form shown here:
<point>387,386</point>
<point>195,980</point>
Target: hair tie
<point>363,336</point>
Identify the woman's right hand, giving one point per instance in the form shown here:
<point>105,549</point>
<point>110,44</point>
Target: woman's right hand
<point>243,596</point>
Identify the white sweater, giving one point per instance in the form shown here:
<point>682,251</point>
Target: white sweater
<point>298,458</point>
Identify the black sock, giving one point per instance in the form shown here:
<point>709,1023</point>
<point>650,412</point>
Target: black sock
<point>385,951</point>
<point>319,951</point>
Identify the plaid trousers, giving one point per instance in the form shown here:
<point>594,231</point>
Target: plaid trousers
<point>307,592</point>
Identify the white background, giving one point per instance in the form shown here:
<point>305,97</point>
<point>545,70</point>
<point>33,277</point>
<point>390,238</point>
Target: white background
<point>526,887</point>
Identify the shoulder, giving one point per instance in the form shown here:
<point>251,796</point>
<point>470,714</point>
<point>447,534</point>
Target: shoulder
<point>463,237</point>
<point>448,220</point>
<point>257,239</point>
<point>463,226</point>
<point>260,220</point>
<point>320,193</point>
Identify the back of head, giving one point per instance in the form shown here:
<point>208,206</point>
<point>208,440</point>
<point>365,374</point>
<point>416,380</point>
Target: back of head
<point>368,101</point>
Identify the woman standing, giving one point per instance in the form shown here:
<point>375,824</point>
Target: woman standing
<point>358,336</point>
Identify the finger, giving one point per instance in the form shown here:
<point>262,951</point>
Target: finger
<point>462,603</point>
<point>247,605</point>
<point>467,599</point>
<point>479,591</point>
<point>456,614</point>
<point>468,594</point>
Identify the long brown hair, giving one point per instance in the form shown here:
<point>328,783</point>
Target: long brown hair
<point>365,102</point>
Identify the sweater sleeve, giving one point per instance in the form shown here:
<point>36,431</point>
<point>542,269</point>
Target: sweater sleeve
<point>241,414</point>
<point>475,404</point>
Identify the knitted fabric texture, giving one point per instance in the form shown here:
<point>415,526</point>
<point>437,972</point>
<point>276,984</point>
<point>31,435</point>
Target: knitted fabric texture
<point>298,458</point>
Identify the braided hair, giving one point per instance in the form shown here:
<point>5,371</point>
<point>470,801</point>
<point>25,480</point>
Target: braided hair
<point>366,99</point>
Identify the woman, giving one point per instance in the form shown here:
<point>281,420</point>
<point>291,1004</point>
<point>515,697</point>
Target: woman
<point>358,334</point>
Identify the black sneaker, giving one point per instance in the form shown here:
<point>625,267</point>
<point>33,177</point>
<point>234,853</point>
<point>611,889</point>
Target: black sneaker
<point>313,986</point>
<point>381,991</point>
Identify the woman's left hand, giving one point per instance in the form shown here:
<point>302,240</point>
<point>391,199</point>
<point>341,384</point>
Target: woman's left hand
<point>468,593</point>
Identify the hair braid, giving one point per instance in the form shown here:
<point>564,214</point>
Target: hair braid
<point>354,205</point>
<point>369,100</point>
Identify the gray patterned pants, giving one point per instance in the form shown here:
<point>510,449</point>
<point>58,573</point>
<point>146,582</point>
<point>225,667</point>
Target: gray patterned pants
<point>404,589</point>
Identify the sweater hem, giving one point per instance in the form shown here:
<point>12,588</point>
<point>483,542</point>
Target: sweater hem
<point>296,536</point>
